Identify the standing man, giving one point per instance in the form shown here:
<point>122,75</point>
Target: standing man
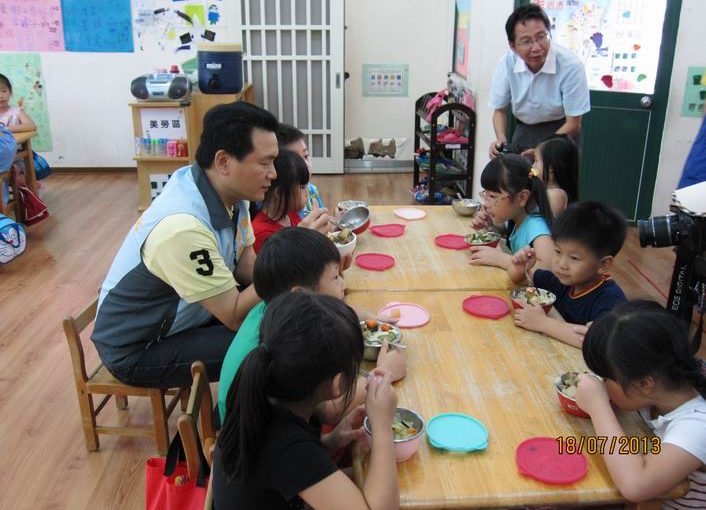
<point>171,295</point>
<point>545,83</point>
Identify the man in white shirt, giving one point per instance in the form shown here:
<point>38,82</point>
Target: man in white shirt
<point>544,82</point>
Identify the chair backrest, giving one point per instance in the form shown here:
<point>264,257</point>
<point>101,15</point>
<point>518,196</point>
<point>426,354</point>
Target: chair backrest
<point>198,410</point>
<point>72,329</point>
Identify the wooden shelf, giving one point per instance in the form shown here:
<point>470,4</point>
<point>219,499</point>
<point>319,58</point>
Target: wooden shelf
<point>161,158</point>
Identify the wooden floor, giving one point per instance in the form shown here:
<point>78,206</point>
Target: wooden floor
<point>44,460</point>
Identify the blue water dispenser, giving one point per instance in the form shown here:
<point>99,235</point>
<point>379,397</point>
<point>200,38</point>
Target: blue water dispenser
<point>220,68</point>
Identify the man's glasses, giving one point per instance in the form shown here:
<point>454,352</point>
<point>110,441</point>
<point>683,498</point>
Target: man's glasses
<point>528,42</point>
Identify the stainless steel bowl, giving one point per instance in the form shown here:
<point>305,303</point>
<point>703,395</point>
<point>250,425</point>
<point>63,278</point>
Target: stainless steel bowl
<point>408,416</point>
<point>344,205</point>
<point>356,219</point>
<point>372,351</point>
<point>465,206</point>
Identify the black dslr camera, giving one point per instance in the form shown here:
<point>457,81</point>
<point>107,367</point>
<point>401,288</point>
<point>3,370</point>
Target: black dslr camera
<point>688,233</point>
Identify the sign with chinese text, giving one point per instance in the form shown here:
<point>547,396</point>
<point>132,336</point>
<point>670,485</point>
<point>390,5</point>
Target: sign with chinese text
<point>166,123</point>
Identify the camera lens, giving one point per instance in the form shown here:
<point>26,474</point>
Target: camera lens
<point>659,231</point>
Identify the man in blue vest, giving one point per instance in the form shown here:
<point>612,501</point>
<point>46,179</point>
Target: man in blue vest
<point>171,295</point>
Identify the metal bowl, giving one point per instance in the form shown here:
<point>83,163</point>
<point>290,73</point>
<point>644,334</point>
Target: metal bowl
<point>404,448</point>
<point>371,351</point>
<point>465,206</point>
<point>344,205</point>
<point>518,298</point>
<point>356,219</point>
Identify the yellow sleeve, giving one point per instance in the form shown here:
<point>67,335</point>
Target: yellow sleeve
<point>183,253</point>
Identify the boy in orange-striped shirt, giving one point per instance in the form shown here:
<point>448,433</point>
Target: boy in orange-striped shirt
<point>587,237</point>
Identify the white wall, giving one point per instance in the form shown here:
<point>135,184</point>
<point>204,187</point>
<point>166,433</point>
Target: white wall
<point>414,32</point>
<point>679,132</point>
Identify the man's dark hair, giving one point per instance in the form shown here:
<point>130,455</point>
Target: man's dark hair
<point>287,134</point>
<point>522,14</point>
<point>229,127</point>
<point>598,227</point>
<point>292,257</point>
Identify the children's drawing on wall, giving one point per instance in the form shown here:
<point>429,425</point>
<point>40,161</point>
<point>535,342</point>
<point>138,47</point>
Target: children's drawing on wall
<point>24,70</point>
<point>31,25</point>
<point>461,33</point>
<point>177,26</point>
<point>694,93</point>
<point>98,26</point>
<point>617,40</point>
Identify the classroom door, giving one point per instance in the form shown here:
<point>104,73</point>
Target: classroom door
<point>627,47</point>
<point>293,55</point>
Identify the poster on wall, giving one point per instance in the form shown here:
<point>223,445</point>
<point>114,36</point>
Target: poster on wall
<point>176,26</point>
<point>461,33</point>
<point>24,70</point>
<point>31,25</point>
<point>694,93</point>
<point>391,80</point>
<point>97,26</point>
<point>618,41</point>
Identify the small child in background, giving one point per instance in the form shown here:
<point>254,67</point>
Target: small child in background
<point>294,140</point>
<point>644,356</point>
<point>587,237</point>
<point>268,455</point>
<point>557,161</point>
<point>284,199</point>
<point>514,196</point>
<point>295,259</point>
<point>14,117</point>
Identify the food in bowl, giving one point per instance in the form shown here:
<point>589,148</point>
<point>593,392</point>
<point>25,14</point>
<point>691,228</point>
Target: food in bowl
<point>465,206</point>
<point>401,429</point>
<point>374,334</point>
<point>566,391</point>
<point>532,296</point>
<point>407,442</point>
<point>483,238</point>
<point>342,237</point>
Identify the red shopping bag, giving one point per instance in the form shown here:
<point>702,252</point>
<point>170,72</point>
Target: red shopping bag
<point>32,208</point>
<point>167,484</point>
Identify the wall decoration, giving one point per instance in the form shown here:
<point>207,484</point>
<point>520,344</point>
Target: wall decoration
<point>175,26</point>
<point>694,93</point>
<point>31,25</point>
<point>462,24</point>
<point>99,25</point>
<point>24,70</point>
<point>617,40</point>
<point>390,80</point>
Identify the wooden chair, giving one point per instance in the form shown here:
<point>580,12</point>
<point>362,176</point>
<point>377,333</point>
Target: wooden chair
<point>199,411</point>
<point>102,382</point>
<point>12,208</point>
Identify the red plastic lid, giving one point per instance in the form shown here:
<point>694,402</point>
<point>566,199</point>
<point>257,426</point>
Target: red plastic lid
<point>539,458</point>
<point>390,230</point>
<point>490,307</point>
<point>375,261</point>
<point>452,241</point>
<point>410,314</point>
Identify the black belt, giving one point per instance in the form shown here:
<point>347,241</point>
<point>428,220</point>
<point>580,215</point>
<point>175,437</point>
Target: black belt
<point>563,119</point>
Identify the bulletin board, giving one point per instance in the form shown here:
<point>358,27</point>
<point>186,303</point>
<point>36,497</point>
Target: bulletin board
<point>97,26</point>
<point>31,25</point>
<point>24,71</point>
<point>618,41</point>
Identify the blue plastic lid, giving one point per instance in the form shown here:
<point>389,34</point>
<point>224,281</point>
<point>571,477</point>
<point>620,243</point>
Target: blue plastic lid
<point>457,432</point>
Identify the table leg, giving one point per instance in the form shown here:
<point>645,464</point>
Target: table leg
<point>30,175</point>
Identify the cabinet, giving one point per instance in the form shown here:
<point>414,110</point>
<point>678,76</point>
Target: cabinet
<point>171,120</point>
<point>448,162</point>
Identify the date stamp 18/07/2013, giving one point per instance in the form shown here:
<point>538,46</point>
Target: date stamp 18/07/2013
<point>622,445</point>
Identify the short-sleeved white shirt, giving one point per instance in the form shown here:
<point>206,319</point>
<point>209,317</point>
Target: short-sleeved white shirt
<point>558,90</point>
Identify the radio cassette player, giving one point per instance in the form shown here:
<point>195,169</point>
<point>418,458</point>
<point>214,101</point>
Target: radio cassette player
<point>161,87</point>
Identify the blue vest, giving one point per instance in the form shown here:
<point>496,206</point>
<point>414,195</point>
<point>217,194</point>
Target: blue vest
<point>135,307</point>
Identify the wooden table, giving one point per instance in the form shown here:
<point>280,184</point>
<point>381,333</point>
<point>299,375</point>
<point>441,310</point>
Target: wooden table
<point>420,263</point>
<point>503,376</point>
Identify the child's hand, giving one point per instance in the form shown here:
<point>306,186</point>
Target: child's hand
<point>484,255</point>
<point>481,220</point>
<point>525,257</point>
<point>530,317</point>
<point>317,219</point>
<point>582,330</point>
<point>591,394</point>
<point>21,103</point>
<point>381,401</point>
<point>349,429</point>
<point>392,361</point>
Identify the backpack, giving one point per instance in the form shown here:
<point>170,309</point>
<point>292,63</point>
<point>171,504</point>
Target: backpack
<point>41,168</point>
<point>13,240</point>
<point>32,208</point>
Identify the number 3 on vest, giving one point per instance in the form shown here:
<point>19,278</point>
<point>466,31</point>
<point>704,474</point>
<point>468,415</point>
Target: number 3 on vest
<point>202,258</point>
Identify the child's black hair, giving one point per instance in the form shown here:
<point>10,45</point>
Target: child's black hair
<point>521,15</point>
<point>229,127</point>
<point>600,228</point>
<point>292,257</point>
<point>512,173</point>
<point>287,134</point>
<point>292,172</point>
<point>4,80</point>
<point>305,340</point>
<point>640,339</point>
<point>560,158</point>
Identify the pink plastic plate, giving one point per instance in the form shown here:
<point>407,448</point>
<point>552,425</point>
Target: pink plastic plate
<point>411,315</point>
<point>489,307</point>
<point>375,261</point>
<point>452,241</point>
<point>409,213</point>
<point>390,230</point>
<point>539,458</point>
